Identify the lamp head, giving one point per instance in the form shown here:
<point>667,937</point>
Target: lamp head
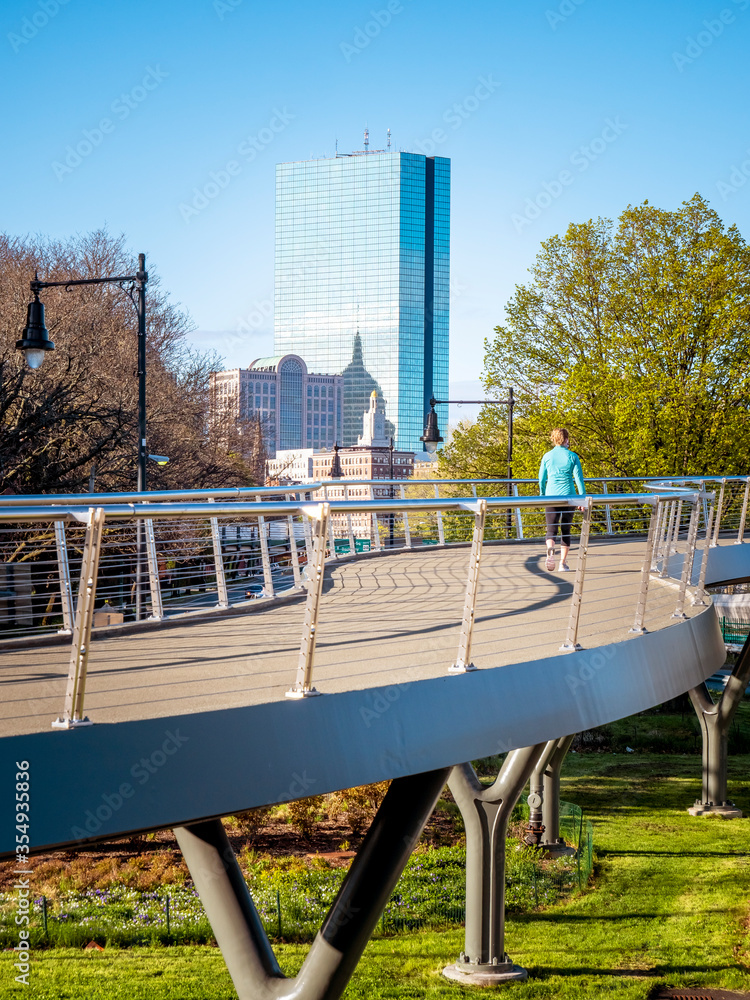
<point>35,340</point>
<point>431,436</point>
<point>159,459</point>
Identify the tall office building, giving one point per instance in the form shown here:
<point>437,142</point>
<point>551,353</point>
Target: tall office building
<point>362,275</point>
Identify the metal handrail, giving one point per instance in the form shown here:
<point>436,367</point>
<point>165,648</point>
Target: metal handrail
<point>78,512</point>
<point>151,496</point>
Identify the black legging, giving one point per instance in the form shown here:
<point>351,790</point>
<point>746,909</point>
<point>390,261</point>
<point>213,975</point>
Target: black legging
<point>562,516</point>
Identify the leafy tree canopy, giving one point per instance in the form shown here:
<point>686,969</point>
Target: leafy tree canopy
<point>636,337</point>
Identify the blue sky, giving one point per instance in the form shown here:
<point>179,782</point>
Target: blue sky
<point>629,100</point>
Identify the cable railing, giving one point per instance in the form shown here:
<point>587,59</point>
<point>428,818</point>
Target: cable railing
<point>205,555</point>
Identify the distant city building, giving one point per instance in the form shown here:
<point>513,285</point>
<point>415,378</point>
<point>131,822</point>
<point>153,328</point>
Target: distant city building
<point>362,280</point>
<point>370,458</point>
<point>291,467</point>
<point>298,409</point>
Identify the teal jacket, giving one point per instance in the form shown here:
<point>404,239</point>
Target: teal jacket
<point>560,473</point>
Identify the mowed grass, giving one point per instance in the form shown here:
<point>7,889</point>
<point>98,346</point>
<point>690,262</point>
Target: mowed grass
<point>667,906</point>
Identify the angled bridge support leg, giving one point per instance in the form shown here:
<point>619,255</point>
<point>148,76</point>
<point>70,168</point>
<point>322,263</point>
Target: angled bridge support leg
<point>486,812</point>
<point>337,948</point>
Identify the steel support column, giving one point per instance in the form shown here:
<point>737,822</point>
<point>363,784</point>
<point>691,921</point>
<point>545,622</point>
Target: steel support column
<point>339,944</point>
<point>715,721</point>
<point>486,812</point>
<point>550,792</point>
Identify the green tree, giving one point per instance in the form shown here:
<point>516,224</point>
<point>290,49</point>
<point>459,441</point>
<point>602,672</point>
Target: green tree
<point>636,337</point>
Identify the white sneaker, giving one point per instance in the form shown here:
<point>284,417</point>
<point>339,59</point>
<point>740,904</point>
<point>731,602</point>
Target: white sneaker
<point>564,568</point>
<point>550,563</point>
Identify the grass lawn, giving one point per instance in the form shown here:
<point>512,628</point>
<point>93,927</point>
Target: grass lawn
<point>667,906</point>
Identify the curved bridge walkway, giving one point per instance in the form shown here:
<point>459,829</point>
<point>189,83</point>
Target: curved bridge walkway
<point>383,620</point>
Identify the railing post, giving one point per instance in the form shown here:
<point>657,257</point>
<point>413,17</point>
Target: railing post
<point>352,547</point>
<point>640,608</point>
<point>661,509</point>
<point>717,515</point>
<point>519,524</point>
<point>306,533</point>
<point>263,539</point>
<point>700,597</point>
<point>405,516</point>
<point>303,687</point>
<point>743,515</point>
<point>441,531</point>
<point>332,538</point>
<point>73,716</point>
<point>463,660</point>
<point>702,488</point>
<point>666,549</point>
<point>374,523</point>
<point>63,571</point>
<point>678,519</point>
<point>607,511</point>
<point>157,609</point>
<point>221,580</point>
<point>687,566</point>
<point>571,639</point>
<point>294,555</point>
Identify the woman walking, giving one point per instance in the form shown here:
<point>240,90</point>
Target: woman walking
<point>560,475</point>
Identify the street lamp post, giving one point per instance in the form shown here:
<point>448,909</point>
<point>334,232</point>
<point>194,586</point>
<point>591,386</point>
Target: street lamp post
<point>432,438</point>
<point>35,343</point>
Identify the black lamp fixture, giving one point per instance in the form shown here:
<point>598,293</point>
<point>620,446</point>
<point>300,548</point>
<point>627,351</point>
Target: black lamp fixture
<point>432,438</point>
<point>35,340</point>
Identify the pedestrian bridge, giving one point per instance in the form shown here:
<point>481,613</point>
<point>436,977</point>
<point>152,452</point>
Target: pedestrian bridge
<point>385,640</point>
<point>452,644</point>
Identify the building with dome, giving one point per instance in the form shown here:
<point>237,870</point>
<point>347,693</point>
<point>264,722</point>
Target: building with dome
<point>298,409</point>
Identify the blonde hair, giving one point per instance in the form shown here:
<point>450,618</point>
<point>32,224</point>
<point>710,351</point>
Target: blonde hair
<point>559,435</point>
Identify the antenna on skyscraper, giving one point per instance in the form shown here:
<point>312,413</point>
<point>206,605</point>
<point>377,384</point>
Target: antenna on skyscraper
<point>367,139</point>
<point>389,140</point>
<point>337,147</point>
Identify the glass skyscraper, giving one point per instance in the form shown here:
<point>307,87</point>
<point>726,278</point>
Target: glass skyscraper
<point>362,281</point>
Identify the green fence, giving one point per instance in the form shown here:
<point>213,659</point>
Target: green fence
<point>734,632</point>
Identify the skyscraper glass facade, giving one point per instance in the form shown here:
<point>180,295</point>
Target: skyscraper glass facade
<point>362,281</point>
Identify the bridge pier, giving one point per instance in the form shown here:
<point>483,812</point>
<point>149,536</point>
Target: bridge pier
<point>339,944</point>
<point>715,721</point>
<point>486,812</point>
<point>549,788</point>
